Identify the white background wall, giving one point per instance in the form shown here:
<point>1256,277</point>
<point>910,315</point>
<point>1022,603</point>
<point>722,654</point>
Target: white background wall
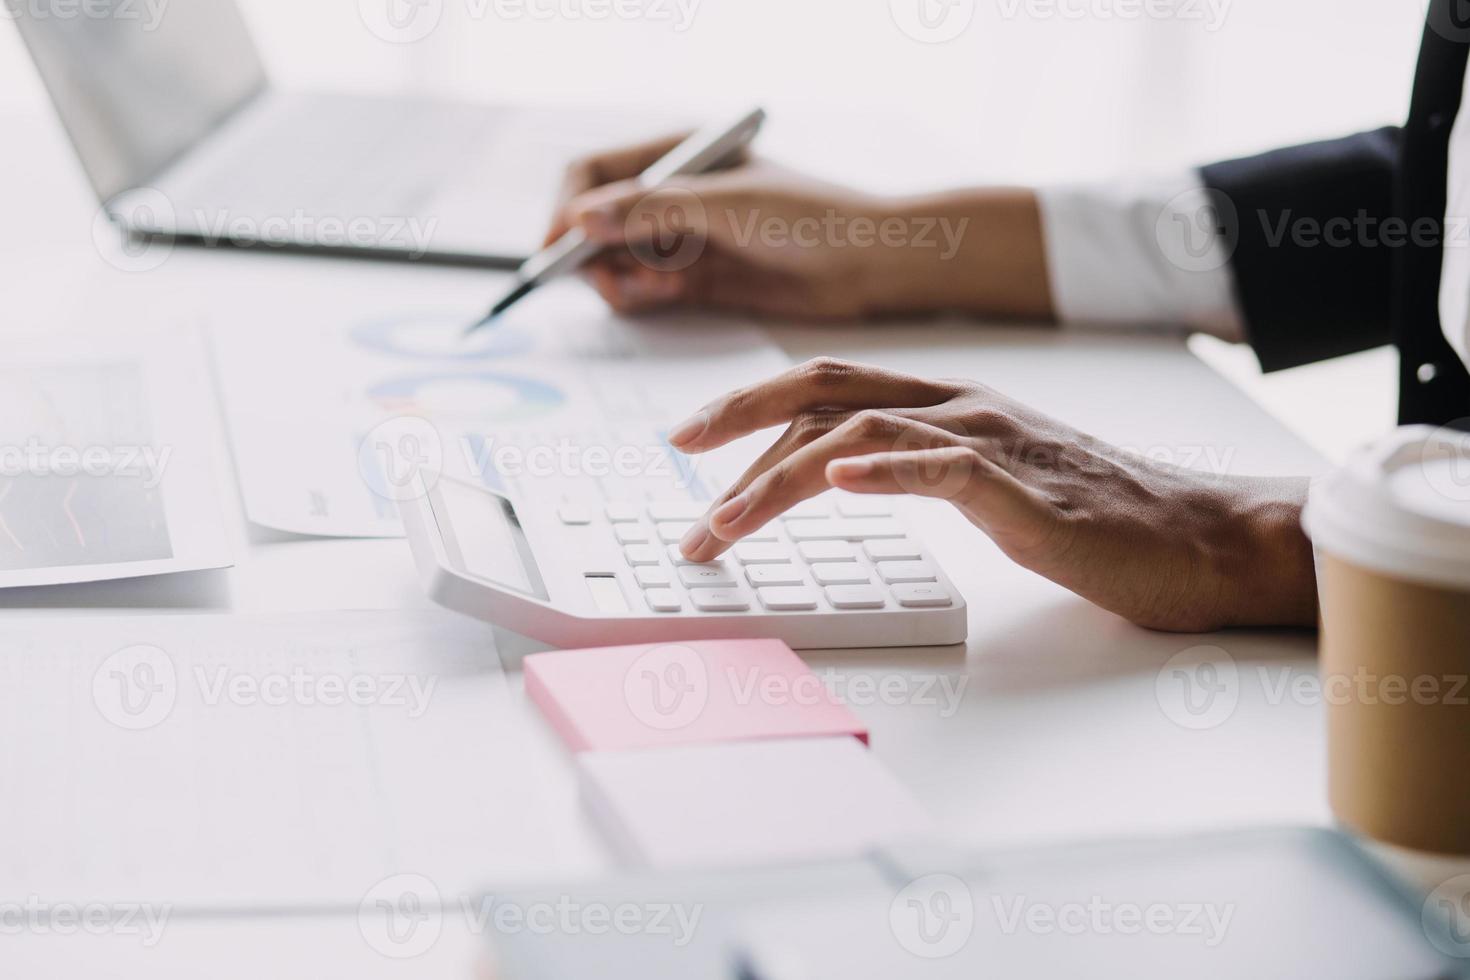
<point>1030,90</point>
<point>1033,88</point>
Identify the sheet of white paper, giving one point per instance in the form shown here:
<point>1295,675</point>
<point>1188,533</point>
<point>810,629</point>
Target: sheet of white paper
<point>748,802</point>
<point>315,371</point>
<point>108,460</point>
<point>249,762</point>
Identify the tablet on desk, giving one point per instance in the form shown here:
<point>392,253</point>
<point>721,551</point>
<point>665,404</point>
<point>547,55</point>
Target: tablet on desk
<point>1259,903</point>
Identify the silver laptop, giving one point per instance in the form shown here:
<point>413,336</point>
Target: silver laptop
<point>182,134</point>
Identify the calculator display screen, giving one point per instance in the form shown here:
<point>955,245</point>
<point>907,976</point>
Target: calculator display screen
<point>483,537</point>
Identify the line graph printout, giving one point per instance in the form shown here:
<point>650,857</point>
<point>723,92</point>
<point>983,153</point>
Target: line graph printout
<point>48,519</point>
<point>557,397</point>
<point>106,462</point>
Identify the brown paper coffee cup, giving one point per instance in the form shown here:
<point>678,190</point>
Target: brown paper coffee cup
<point>1392,532</point>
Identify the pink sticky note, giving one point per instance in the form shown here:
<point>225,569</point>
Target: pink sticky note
<point>665,694</point>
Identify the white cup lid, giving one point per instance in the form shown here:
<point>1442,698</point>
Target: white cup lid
<point>1400,506</point>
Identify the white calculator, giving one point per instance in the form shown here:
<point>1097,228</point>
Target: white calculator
<point>839,571</point>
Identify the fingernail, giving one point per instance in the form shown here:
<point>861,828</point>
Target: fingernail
<point>695,539</point>
<point>690,429</point>
<point>731,511</point>
<point>852,468</point>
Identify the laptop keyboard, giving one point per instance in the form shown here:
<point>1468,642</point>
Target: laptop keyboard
<point>392,157</point>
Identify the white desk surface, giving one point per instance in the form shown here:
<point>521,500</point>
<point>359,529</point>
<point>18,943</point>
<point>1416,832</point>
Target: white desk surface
<point>1059,734</point>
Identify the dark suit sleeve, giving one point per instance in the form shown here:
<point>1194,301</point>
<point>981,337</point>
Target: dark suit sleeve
<point>1307,295</point>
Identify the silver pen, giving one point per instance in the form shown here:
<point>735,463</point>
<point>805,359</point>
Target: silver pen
<point>699,153</point>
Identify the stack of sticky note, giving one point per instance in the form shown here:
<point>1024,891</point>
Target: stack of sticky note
<point>718,752</point>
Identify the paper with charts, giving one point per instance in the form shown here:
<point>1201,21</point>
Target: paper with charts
<point>107,461</point>
<point>338,387</point>
<point>265,761</point>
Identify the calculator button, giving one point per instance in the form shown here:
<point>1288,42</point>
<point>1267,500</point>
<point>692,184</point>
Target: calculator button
<point>901,549</point>
<point>676,510</point>
<point>631,533</point>
<point>906,571</point>
<point>719,600</point>
<point>775,575</point>
<point>787,599</point>
<point>653,577</point>
<point>620,513</point>
<point>641,554</point>
<point>574,515</point>
<point>806,509</point>
<point>673,533</point>
<point>855,597</point>
<point>864,507</point>
<point>677,557</point>
<point>761,554</point>
<point>840,573</point>
<point>827,551</point>
<point>707,576</point>
<point>663,600</point>
<point>843,529</point>
<point>922,596</point>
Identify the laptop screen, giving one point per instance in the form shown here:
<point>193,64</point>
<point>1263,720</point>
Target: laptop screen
<point>137,82</point>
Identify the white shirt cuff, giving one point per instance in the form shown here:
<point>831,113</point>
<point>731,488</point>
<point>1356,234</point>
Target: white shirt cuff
<point>1139,252</point>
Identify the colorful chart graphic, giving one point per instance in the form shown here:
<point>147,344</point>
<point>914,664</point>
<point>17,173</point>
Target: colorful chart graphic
<point>438,337</point>
<point>50,519</point>
<point>478,396</point>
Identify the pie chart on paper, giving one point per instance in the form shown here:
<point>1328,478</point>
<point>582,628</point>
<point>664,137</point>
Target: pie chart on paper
<point>489,397</point>
<point>437,337</point>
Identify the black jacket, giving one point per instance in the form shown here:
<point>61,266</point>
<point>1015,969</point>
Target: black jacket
<point>1339,243</point>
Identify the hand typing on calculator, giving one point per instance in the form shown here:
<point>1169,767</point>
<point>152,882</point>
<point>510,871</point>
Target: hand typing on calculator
<point>1166,547</point>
